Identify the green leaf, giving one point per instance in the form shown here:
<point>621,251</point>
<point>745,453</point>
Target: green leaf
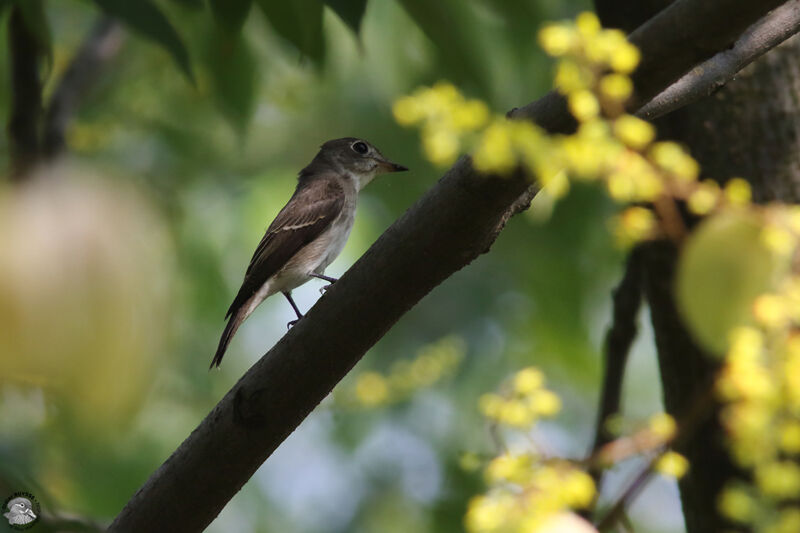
<point>299,22</point>
<point>724,266</point>
<point>231,14</point>
<point>4,4</point>
<point>451,26</point>
<point>145,18</point>
<point>350,11</point>
<point>234,76</point>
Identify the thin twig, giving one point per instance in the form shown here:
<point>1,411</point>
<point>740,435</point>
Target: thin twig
<point>100,46</point>
<point>627,298</point>
<point>707,77</point>
<point>26,95</point>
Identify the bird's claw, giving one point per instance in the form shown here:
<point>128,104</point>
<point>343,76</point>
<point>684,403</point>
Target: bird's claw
<point>322,290</point>
<point>291,323</point>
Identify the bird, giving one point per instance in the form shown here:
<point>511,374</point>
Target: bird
<point>20,512</point>
<point>310,231</point>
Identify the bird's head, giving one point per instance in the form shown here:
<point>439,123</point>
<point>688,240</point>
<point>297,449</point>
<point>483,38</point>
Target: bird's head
<point>21,506</point>
<point>354,157</point>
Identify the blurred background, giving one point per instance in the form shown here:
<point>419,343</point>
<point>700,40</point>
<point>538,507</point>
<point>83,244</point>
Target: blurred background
<point>119,260</point>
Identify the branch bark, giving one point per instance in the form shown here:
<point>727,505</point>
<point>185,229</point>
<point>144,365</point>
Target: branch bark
<point>706,78</point>
<point>627,300</point>
<point>26,94</point>
<point>456,221</point>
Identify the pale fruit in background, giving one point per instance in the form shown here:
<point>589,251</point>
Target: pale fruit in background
<point>723,267</point>
<point>86,274</point>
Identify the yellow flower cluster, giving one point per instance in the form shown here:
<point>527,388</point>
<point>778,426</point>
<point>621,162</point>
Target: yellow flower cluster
<point>445,117</point>
<point>432,363</point>
<point>525,492</point>
<point>759,385</point>
<point>760,378</point>
<point>524,403</point>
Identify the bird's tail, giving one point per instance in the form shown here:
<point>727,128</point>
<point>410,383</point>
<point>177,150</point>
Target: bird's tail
<point>233,324</point>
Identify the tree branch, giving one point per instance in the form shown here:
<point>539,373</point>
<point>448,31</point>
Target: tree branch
<point>100,46</point>
<point>627,300</point>
<point>706,78</point>
<point>26,95</point>
<point>457,220</point>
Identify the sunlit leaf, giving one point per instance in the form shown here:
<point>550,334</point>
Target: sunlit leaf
<point>723,267</point>
<point>299,22</point>
<point>231,14</point>
<point>233,72</point>
<point>145,18</point>
<point>350,11</point>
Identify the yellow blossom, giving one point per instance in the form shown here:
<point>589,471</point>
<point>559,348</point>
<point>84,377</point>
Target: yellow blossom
<point>770,310</point>
<point>672,464</point>
<point>780,479</point>
<point>737,504</point>
<point>704,198</point>
<point>674,159</point>
<point>634,132</point>
<point>511,468</point>
<point>789,435</point>
<point>495,151</point>
<point>633,225</point>
<point>516,413</point>
<point>441,146</point>
<point>588,24</point>
<point>625,58</point>
<point>578,489</point>
<point>528,380</point>
<point>488,513</point>
<point>616,87</point>
<point>583,105</point>
<point>407,111</point>
<point>557,39</point>
<point>470,116</point>
<point>372,389</point>
<point>778,239</point>
<point>745,343</point>
<point>663,426</point>
<point>572,76</point>
<point>490,405</point>
<point>737,191</point>
<point>544,403</point>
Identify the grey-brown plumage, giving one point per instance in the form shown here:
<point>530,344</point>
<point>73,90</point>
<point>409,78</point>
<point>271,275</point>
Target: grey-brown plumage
<point>310,231</point>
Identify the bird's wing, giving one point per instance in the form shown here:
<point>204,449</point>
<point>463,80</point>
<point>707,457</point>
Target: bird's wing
<point>310,211</point>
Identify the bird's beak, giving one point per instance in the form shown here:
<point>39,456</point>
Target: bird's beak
<point>388,166</point>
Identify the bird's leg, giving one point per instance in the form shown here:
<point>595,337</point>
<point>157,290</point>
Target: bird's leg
<point>329,279</point>
<point>288,295</point>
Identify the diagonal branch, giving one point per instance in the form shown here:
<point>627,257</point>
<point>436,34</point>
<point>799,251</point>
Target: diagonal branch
<point>450,226</point>
<point>707,77</point>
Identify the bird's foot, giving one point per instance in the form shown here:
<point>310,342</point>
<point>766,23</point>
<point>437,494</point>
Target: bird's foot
<point>322,290</point>
<point>291,323</point>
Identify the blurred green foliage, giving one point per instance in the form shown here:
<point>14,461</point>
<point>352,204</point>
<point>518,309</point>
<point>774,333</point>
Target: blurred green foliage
<point>208,111</point>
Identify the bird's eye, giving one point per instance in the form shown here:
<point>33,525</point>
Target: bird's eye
<point>360,147</point>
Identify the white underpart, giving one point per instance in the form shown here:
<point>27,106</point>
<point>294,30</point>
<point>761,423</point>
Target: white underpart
<point>318,254</point>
